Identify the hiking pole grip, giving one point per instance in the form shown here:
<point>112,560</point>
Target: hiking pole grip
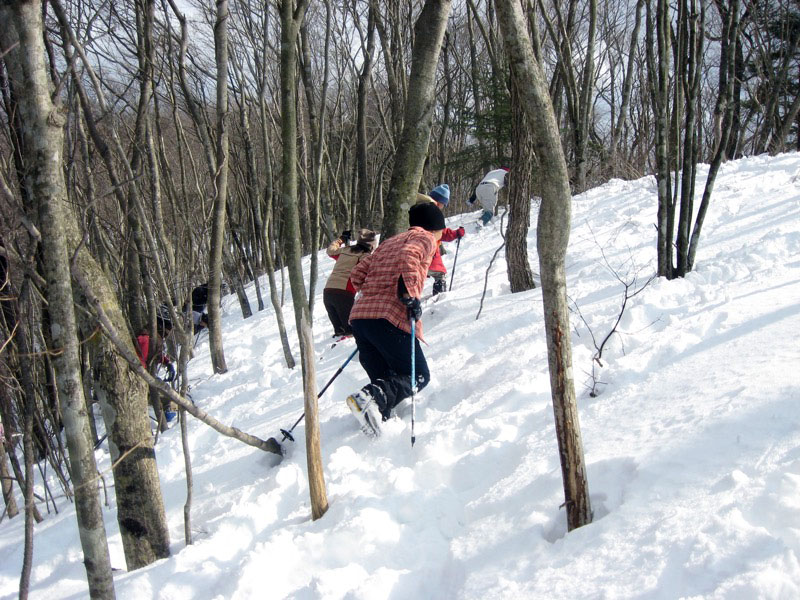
<point>413,379</point>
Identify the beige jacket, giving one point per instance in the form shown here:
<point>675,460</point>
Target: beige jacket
<point>346,258</point>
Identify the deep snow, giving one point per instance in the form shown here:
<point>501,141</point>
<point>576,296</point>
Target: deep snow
<point>692,444</point>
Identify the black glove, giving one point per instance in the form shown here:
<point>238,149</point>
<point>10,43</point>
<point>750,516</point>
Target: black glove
<point>346,235</point>
<point>413,308</point>
<point>170,372</point>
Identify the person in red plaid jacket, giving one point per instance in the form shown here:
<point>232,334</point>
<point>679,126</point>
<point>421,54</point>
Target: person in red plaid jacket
<point>390,283</point>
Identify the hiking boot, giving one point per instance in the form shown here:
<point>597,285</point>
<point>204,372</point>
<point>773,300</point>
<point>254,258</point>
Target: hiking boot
<point>365,409</point>
<point>439,286</point>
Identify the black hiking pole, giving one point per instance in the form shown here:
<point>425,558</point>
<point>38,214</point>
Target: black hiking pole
<point>288,433</point>
<point>455,260</point>
<point>413,378</point>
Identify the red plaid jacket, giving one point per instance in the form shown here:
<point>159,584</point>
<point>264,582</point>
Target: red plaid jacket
<point>407,254</point>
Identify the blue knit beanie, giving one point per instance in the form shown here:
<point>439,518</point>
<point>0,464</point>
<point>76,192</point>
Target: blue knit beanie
<point>441,193</point>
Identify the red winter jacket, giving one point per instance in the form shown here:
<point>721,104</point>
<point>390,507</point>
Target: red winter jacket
<point>437,264</point>
<point>143,340</point>
<point>144,348</point>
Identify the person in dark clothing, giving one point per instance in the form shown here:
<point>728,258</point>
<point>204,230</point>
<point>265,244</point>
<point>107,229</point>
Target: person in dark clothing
<point>200,297</point>
<point>199,322</point>
<point>163,321</point>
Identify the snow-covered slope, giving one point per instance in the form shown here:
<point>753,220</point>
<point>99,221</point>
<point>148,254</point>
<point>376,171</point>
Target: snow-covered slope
<point>692,441</point>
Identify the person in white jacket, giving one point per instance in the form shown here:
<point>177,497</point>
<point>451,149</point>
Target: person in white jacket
<point>487,190</point>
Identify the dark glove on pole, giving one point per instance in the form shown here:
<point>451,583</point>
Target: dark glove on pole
<point>413,308</point>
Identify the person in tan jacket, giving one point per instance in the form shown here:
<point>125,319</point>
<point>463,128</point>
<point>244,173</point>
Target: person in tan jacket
<point>339,293</point>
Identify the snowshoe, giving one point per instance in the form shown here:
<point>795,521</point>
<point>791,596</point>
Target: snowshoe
<point>366,412</point>
<point>342,338</point>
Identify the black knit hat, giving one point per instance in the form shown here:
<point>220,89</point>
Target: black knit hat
<point>426,215</point>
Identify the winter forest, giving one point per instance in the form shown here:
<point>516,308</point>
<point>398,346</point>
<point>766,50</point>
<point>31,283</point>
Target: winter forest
<point>152,148</point>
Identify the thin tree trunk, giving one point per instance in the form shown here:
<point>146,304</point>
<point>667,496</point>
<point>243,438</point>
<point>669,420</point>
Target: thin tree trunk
<point>42,145</point>
<point>7,314</point>
<point>552,239</point>
<point>444,150</point>
<point>220,191</point>
<point>187,461</point>
<point>7,483</point>
<point>724,114</point>
<point>251,185</point>
<point>520,188</point>
<point>268,242</point>
<point>291,19</point>
<point>92,575</point>
<point>317,119</point>
<point>658,73</point>
<point>475,67</point>
<point>363,216</point>
<point>413,148</point>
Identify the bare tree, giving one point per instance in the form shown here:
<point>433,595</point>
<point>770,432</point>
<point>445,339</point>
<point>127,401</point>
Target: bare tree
<point>723,114</point>
<point>42,138</point>
<point>220,189</point>
<point>413,149</point>
<point>6,481</point>
<point>552,238</point>
<point>520,190</point>
<point>578,83</point>
<point>122,396</point>
<point>362,213</point>
<point>291,18</point>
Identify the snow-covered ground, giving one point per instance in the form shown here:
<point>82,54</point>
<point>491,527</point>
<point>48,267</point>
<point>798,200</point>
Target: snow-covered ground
<point>692,443</point>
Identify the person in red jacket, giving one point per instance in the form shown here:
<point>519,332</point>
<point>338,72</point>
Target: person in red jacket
<point>440,196</point>
<point>390,282</point>
<point>151,350</point>
<point>143,346</point>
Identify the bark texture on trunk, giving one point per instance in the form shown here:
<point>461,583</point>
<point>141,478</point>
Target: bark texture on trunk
<point>42,138</point>
<point>291,19</point>
<point>552,239</point>
<point>520,189</point>
<point>221,191</point>
<point>413,148</point>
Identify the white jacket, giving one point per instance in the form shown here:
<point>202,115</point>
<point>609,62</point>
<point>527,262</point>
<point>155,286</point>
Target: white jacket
<point>497,176</point>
